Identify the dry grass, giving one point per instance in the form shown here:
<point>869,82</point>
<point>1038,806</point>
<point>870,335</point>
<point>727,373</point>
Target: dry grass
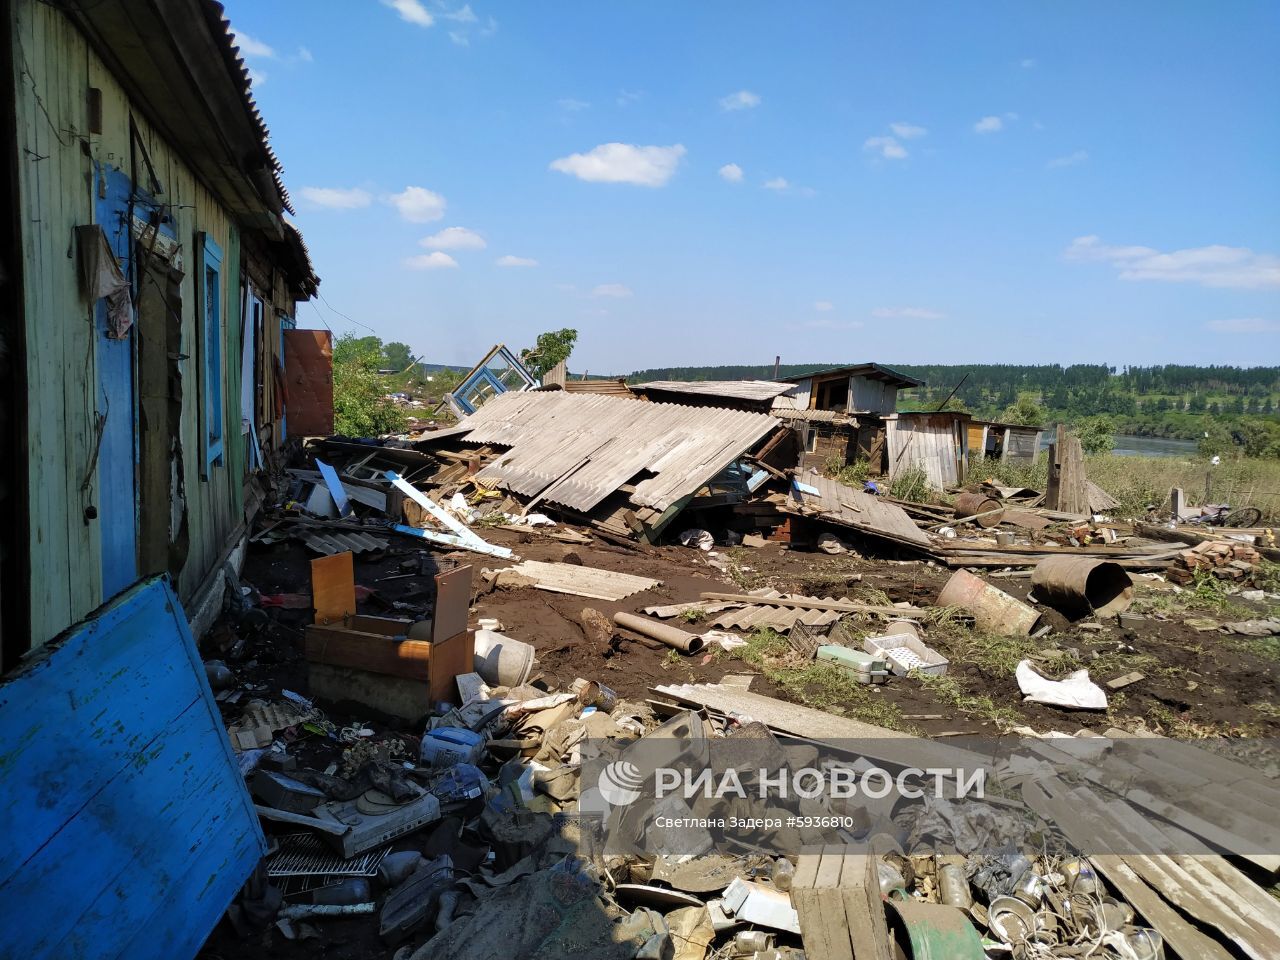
<point>1137,481</point>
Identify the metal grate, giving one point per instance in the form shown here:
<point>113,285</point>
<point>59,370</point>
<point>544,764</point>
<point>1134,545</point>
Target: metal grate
<point>303,855</point>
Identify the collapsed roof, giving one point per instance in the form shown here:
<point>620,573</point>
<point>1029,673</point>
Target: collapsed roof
<point>576,450</point>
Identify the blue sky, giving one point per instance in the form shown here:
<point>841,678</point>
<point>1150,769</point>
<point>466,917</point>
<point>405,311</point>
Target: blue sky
<point>720,182</point>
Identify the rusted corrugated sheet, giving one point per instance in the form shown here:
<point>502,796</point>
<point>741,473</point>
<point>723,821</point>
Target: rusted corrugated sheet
<point>576,450</point>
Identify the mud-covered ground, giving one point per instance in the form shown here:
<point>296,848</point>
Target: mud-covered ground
<point>1197,681</point>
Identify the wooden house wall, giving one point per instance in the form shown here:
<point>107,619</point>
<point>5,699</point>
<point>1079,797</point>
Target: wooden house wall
<point>872,396</point>
<point>54,68</point>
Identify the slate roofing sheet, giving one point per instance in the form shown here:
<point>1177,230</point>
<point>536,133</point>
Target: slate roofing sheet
<point>737,616</point>
<point>575,450</point>
<point>842,504</point>
<point>738,389</point>
<point>584,581</point>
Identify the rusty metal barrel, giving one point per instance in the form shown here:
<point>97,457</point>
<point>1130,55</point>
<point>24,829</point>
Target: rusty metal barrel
<point>992,609</point>
<point>1079,586</point>
<point>980,507</point>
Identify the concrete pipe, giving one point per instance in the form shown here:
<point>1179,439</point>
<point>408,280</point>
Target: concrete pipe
<point>1079,586</point>
<point>672,636</point>
<point>986,511</point>
<point>992,609</point>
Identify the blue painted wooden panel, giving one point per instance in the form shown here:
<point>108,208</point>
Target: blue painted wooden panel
<point>117,454</point>
<point>128,826</point>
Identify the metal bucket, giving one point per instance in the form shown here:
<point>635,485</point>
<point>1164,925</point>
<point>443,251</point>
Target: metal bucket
<point>992,609</point>
<point>502,661</point>
<point>973,504</point>
<point>1080,586</point>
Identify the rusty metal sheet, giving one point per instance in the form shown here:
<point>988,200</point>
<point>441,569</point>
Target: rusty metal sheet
<point>308,376</point>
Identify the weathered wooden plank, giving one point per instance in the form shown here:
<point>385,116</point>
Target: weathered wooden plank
<point>134,813</point>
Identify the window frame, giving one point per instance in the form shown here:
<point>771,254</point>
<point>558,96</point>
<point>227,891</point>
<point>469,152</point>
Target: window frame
<point>213,425</point>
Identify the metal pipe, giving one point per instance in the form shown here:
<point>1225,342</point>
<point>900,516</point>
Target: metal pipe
<point>672,636</point>
<point>304,911</point>
<point>1080,586</point>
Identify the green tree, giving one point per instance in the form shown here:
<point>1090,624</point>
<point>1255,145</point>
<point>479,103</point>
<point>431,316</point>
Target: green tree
<point>360,405</point>
<point>396,356</point>
<point>1097,434</point>
<point>1024,411</point>
<point>1216,440</point>
<point>549,349</point>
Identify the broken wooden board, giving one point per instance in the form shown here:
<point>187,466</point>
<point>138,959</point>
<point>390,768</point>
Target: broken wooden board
<point>131,828</point>
<point>592,582</point>
<point>333,587</point>
<point>836,893</point>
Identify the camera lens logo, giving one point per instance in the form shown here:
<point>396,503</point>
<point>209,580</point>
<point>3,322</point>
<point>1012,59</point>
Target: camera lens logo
<point>620,783</point>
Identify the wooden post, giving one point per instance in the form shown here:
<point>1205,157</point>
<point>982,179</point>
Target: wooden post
<point>1066,491</point>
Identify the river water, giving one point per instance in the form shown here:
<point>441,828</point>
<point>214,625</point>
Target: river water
<point>1127,446</point>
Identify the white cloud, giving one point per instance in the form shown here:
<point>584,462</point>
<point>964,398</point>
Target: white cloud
<point>628,97</point>
<point>510,261</point>
<point>570,105</point>
<point>616,290</point>
<point>431,261</point>
<point>777,183</point>
<point>411,11</point>
<point>454,238</point>
<point>742,100</point>
<point>822,306</point>
<point>1212,266</point>
<point>252,47</point>
<point>907,313</point>
<point>731,172</point>
<point>336,198</point>
<point>459,38</point>
<point>464,14</point>
<point>1027,63</point>
<point>257,77</point>
<point>1244,325</point>
<point>888,147</point>
<point>304,55</point>
<point>623,163</point>
<point>1070,160</point>
<point>988,125</point>
<point>907,131</point>
<point>418,204</point>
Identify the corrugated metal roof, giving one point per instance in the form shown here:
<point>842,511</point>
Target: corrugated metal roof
<point>738,389</point>
<point>877,371</point>
<point>575,450</point>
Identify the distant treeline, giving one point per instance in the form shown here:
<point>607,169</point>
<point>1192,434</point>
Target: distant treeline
<point>1166,401</point>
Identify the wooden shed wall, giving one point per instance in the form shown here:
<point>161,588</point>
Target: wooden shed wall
<point>937,444</point>
<point>54,68</point>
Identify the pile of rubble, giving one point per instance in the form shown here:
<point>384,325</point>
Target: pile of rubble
<point>1222,558</point>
